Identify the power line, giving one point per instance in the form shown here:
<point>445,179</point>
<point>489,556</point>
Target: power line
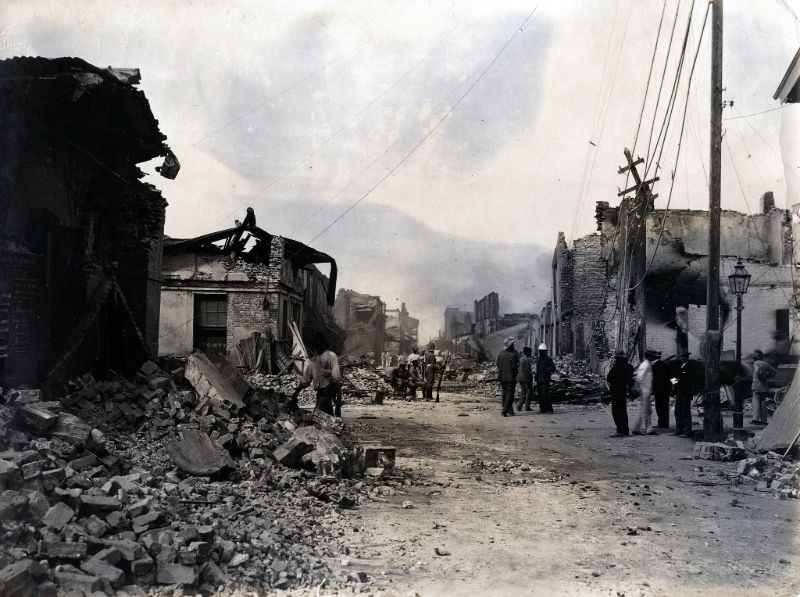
<point>678,151</point>
<point>603,116</point>
<point>433,130</point>
<point>665,127</point>
<point>781,107</point>
<point>663,76</point>
<point>338,131</point>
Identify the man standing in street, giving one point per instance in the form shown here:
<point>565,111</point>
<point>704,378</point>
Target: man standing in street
<point>661,390</point>
<point>525,379</point>
<point>644,383</point>
<point>545,367</point>
<point>507,371</point>
<point>429,379</point>
<point>683,395</point>
<point>762,372</point>
<point>322,371</point>
<point>620,379</point>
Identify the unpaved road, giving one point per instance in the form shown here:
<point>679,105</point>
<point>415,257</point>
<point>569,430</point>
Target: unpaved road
<point>556,522</point>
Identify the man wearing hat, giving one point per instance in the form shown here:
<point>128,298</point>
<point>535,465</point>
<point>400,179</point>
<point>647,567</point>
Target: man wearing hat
<point>762,371</point>
<point>683,395</point>
<point>661,390</point>
<point>644,383</point>
<point>620,379</point>
<point>507,369</point>
<point>545,367</point>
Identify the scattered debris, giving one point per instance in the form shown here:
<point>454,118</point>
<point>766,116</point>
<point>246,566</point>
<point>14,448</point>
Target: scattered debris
<point>727,451</point>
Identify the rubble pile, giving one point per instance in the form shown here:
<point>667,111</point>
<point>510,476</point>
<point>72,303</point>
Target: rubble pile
<point>359,385</point>
<point>156,482</point>
<point>573,381</point>
<point>363,382</point>
<point>770,472</point>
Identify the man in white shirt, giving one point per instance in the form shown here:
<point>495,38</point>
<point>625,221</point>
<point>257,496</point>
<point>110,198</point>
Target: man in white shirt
<point>322,372</point>
<point>644,383</point>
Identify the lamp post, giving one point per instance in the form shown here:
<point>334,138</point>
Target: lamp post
<point>739,282</point>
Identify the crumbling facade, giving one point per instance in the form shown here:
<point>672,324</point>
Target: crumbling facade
<point>456,323</point>
<point>487,312</point>
<point>594,311</point>
<point>363,319</point>
<point>80,233</point>
<point>401,331</point>
<point>221,288</point>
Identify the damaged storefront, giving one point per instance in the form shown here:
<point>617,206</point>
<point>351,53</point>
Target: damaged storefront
<point>229,289</point>
<point>594,312</point>
<point>80,233</point>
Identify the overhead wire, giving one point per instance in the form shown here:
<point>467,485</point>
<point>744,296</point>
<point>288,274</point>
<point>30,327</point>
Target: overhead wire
<point>597,134</point>
<point>405,158</point>
<point>338,131</point>
<point>677,153</point>
<point>661,141</point>
<point>604,292</point>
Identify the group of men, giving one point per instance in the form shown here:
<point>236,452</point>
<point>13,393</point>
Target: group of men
<point>513,370</point>
<point>654,381</point>
<point>418,370</point>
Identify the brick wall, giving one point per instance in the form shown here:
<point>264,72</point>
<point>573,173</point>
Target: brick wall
<point>246,314</point>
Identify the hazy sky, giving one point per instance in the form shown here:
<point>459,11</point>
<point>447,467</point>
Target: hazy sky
<point>479,156</point>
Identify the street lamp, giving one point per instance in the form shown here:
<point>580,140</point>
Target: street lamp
<point>739,282</point>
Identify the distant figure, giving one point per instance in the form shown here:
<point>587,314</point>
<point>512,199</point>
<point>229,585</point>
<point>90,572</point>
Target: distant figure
<point>322,370</point>
<point>525,379</point>
<point>662,387</point>
<point>644,383</point>
<point>250,218</point>
<point>545,367</point>
<point>620,380</point>
<point>762,372</point>
<point>429,380</point>
<point>683,395</point>
<point>414,361</point>
<point>399,379</point>
<point>507,370</point>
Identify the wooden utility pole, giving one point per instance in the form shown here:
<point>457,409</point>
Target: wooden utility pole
<point>637,225</point>
<point>712,415</point>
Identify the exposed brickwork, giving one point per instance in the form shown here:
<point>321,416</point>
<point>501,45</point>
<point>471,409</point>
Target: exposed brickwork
<point>246,314</point>
<point>589,295</point>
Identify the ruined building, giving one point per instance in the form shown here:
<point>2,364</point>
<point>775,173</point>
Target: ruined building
<point>363,319</point>
<point>593,311</point>
<point>487,312</point>
<point>457,323</point>
<point>80,233</point>
<point>221,288</point>
<point>402,331</point>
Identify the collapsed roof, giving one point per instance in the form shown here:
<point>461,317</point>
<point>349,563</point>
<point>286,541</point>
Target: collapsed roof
<point>236,243</point>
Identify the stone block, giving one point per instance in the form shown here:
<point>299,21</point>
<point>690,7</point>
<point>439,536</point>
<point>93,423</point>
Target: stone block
<point>58,516</point>
<point>83,583</point>
<point>16,580</point>
<point>104,570</point>
<point>62,550</point>
<point>99,503</point>
<point>176,574</point>
<point>35,418</point>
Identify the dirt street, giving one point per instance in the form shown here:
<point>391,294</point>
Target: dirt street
<point>548,504</point>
